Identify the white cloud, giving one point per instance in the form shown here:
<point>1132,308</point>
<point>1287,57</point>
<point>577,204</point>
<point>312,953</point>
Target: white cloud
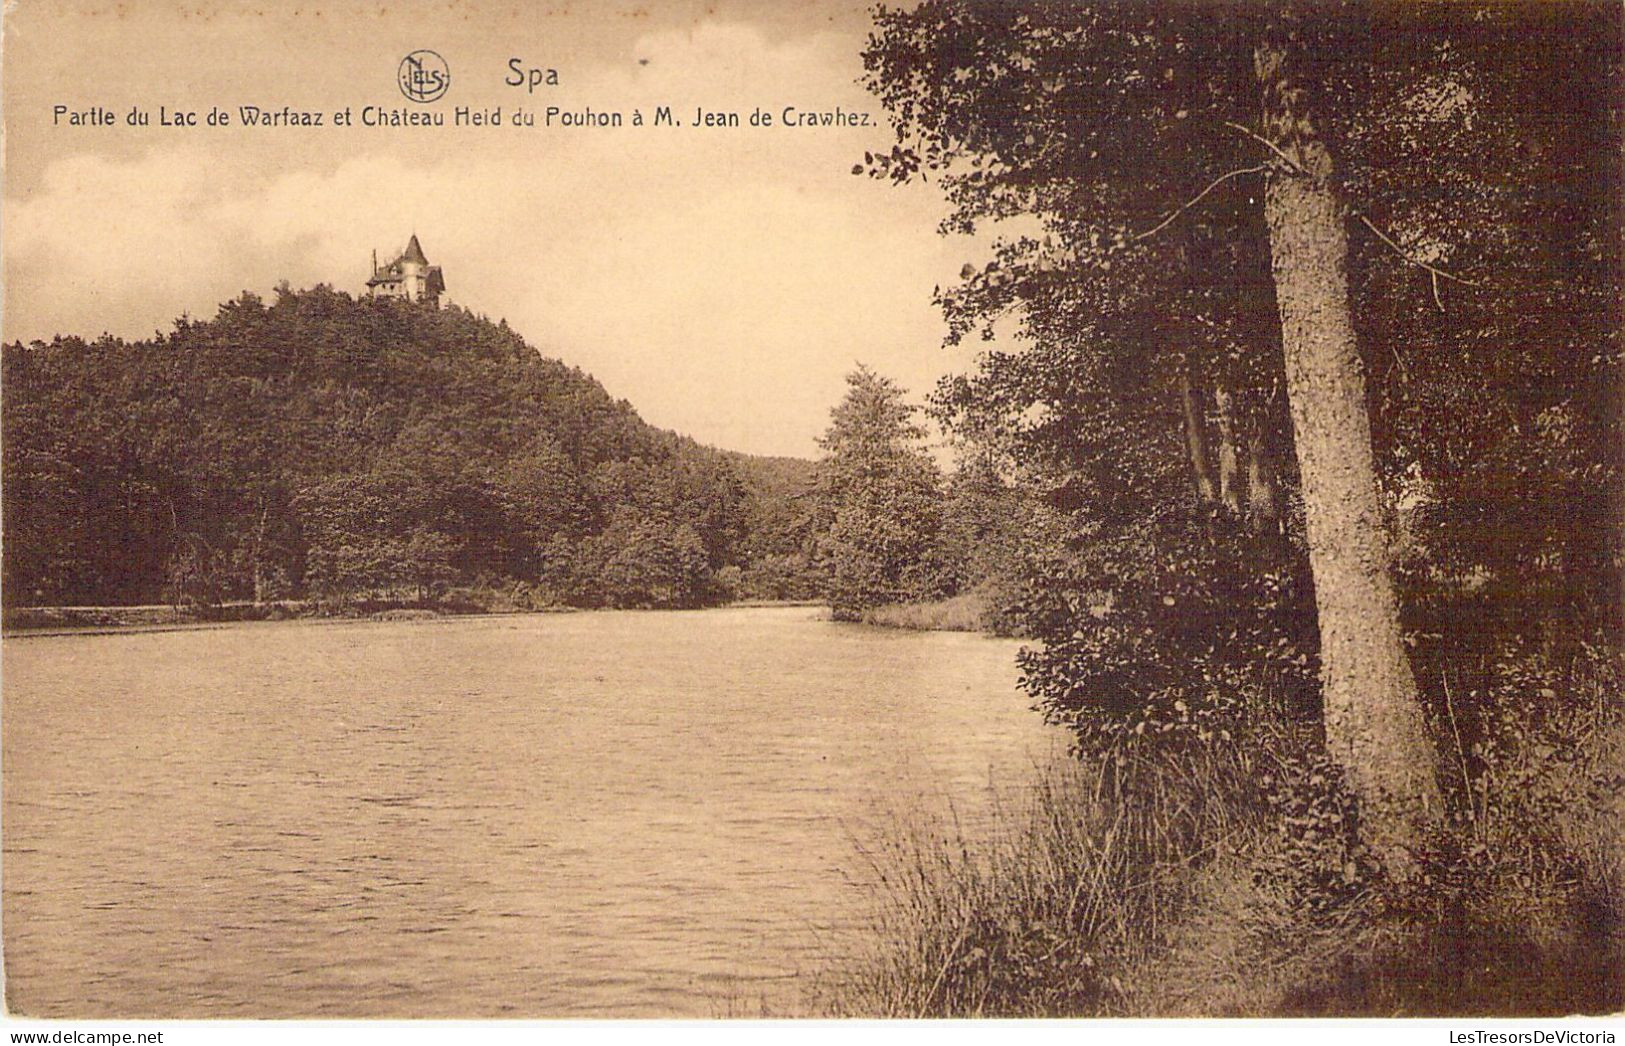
<point>723,284</point>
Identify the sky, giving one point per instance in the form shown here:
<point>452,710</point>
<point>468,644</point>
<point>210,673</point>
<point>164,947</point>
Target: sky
<point>723,280</point>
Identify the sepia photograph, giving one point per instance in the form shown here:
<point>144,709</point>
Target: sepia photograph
<point>740,510</point>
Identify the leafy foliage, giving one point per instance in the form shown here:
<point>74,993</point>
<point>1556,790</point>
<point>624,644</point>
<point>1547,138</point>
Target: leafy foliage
<point>1114,149</point>
<point>878,501</point>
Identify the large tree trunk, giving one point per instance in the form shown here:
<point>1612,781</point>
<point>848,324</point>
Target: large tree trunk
<point>1195,438</point>
<point>1374,721</point>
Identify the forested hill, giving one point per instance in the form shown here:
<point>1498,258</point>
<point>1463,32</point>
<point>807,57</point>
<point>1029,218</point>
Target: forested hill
<point>351,451</point>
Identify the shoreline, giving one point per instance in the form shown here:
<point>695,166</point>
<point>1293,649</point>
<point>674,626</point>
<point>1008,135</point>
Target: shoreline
<point>42,622</point>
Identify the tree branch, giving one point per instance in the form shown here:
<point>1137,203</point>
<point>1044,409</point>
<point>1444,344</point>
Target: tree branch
<point>1271,146</point>
<point>1384,237</point>
<point>1194,200</point>
<point>1397,249</point>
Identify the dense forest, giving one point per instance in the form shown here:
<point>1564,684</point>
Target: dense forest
<point>359,452</point>
<point>1304,348</point>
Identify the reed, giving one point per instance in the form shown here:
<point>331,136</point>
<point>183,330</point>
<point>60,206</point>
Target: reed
<point>1179,883</point>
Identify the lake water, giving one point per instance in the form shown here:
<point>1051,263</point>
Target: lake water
<point>605,814</point>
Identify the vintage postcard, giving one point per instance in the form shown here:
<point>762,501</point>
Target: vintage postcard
<point>751,509</point>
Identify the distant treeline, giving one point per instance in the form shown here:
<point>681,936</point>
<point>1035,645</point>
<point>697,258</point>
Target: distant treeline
<point>347,451</point>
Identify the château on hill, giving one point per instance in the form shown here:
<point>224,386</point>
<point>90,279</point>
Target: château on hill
<point>409,277</point>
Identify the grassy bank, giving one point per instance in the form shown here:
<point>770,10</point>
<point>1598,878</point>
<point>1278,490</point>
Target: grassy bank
<point>28,619</point>
<point>972,611</point>
<point>1223,882</point>
<point>462,602</point>
<point>469,601</point>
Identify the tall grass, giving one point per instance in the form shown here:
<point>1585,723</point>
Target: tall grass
<point>1179,883</point>
<point>1048,908</point>
<point>967,612</point>
<point>1520,911</point>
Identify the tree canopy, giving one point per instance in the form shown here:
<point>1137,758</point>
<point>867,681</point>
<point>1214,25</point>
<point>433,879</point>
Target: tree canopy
<point>1309,302</point>
<point>337,449</point>
<point>878,501</point>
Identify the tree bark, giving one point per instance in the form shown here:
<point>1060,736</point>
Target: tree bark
<point>1196,439</point>
<point>1374,723</point>
<point>1229,462</point>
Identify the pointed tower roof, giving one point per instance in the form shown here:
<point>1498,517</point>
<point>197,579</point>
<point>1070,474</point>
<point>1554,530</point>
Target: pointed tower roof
<point>413,252</point>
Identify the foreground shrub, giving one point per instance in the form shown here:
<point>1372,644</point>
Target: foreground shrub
<point>1519,910</point>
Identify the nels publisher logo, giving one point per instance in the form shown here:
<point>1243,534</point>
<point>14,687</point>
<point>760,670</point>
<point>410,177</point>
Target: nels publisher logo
<point>423,76</point>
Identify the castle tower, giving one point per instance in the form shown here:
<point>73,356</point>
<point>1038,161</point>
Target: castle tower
<point>409,276</point>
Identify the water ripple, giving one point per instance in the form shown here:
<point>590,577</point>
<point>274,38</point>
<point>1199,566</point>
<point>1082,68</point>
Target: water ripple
<point>555,815</point>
